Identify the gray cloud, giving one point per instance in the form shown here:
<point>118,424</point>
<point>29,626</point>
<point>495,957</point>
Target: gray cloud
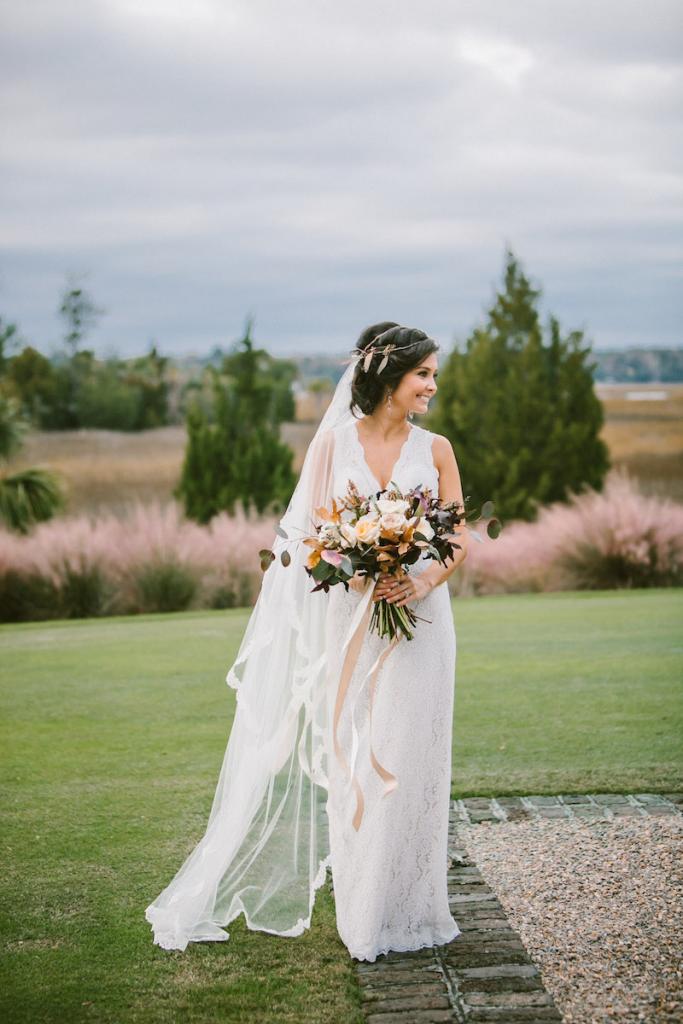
<point>324,166</point>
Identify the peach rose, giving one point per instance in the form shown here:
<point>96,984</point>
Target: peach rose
<point>367,528</point>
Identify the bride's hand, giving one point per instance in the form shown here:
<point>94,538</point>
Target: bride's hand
<point>400,591</point>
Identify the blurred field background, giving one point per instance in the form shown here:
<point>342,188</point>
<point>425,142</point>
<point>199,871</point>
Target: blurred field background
<point>105,469</point>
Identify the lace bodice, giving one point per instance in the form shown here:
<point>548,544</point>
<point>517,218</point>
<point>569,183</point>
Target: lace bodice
<point>415,464</point>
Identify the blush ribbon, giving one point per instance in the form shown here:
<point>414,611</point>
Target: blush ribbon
<point>350,650</point>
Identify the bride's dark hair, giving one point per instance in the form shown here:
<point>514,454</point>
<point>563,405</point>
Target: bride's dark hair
<point>369,389</point>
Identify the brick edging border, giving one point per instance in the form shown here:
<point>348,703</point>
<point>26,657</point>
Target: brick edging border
<point>475,809</point>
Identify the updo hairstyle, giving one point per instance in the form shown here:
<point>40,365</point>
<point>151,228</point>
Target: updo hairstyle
<point>368,390</point>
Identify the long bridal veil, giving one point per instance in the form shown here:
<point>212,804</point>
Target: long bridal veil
<point>266,846</point>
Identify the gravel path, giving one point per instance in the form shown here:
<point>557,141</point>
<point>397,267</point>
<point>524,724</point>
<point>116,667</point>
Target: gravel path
<point>599,907</point>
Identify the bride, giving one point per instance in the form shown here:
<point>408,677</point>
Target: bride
<point>284,810</point>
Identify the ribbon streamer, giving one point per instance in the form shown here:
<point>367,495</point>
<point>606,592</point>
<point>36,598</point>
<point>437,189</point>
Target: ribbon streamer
<point>352,645</point>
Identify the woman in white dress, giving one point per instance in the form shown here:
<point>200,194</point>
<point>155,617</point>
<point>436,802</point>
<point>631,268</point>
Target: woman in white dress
<point>389,876</point>
<point>283,812</point>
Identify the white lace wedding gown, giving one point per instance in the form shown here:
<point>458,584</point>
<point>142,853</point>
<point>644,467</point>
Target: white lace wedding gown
<point>389,877</point>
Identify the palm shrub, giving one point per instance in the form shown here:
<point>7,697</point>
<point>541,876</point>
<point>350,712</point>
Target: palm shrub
<point>31,495</point>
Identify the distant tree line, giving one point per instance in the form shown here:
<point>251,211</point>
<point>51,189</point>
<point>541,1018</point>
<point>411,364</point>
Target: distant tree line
<point>616,366</point>
<point>73,389</point>
<point>639,366</point>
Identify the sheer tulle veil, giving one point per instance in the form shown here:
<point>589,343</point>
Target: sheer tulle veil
<point>266,845</point>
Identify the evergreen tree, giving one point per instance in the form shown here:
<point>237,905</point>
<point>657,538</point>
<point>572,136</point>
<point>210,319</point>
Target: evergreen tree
<point>8,339</point>
<point>234,453</point>
<point>79,313</point>
<point>147,377</point>
<point>523,416</point>
<point>30,376</point>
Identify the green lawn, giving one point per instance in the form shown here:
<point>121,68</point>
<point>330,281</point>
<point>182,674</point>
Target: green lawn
<point>114,731</point>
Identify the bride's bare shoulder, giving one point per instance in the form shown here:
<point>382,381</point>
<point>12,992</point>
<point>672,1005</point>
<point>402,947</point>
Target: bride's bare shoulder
<point>442,451</point>
<point>450,486</point>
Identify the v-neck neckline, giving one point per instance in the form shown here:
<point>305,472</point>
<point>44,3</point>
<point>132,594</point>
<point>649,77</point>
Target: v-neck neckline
<point>354,427</point>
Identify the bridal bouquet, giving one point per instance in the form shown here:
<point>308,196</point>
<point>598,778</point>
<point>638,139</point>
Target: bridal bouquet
<point>383,533</point>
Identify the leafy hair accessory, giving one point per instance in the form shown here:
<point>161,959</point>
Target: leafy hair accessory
<point>386,350</point>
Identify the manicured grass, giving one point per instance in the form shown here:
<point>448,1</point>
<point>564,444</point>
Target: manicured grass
<point>114,731</point>
<point>569,693</point>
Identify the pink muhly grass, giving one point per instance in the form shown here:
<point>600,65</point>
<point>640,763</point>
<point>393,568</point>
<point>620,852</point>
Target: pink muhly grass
<point>616,537</point>
<point>145,535</point>
<point>623,538</point>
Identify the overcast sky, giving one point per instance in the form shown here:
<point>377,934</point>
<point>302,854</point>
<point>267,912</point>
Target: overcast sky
<point>324,165</point>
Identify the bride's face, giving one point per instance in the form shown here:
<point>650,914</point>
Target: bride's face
<point>417,386</point>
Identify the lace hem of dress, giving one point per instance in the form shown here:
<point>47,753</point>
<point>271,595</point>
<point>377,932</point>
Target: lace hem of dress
<point>424,937</point>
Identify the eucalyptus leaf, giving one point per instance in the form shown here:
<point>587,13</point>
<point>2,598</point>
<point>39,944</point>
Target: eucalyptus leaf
<point>367,361</point>
<point>322,570</point>
<point>281,533</point>
<point>476,535</point>
<point>285,558</point>
<point>494,527</point>
<point>487,510</point>
<point>346,565</point>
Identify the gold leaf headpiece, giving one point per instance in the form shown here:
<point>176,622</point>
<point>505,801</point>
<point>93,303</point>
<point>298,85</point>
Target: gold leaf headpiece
<point>366,354</point>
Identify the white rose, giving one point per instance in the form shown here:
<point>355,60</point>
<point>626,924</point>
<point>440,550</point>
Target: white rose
<point>424,527</point>
<point>329,535</point>
<point>394,521</point>
<point>348,535</point>
<point>386,505</point>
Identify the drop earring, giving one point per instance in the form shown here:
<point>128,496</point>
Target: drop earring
<point>389,401</point>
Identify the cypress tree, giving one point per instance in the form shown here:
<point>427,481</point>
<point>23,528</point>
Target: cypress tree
<point>522,415</point>
<point>234,454</point>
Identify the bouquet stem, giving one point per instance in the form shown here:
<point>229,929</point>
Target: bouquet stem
<point>389,620</point>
